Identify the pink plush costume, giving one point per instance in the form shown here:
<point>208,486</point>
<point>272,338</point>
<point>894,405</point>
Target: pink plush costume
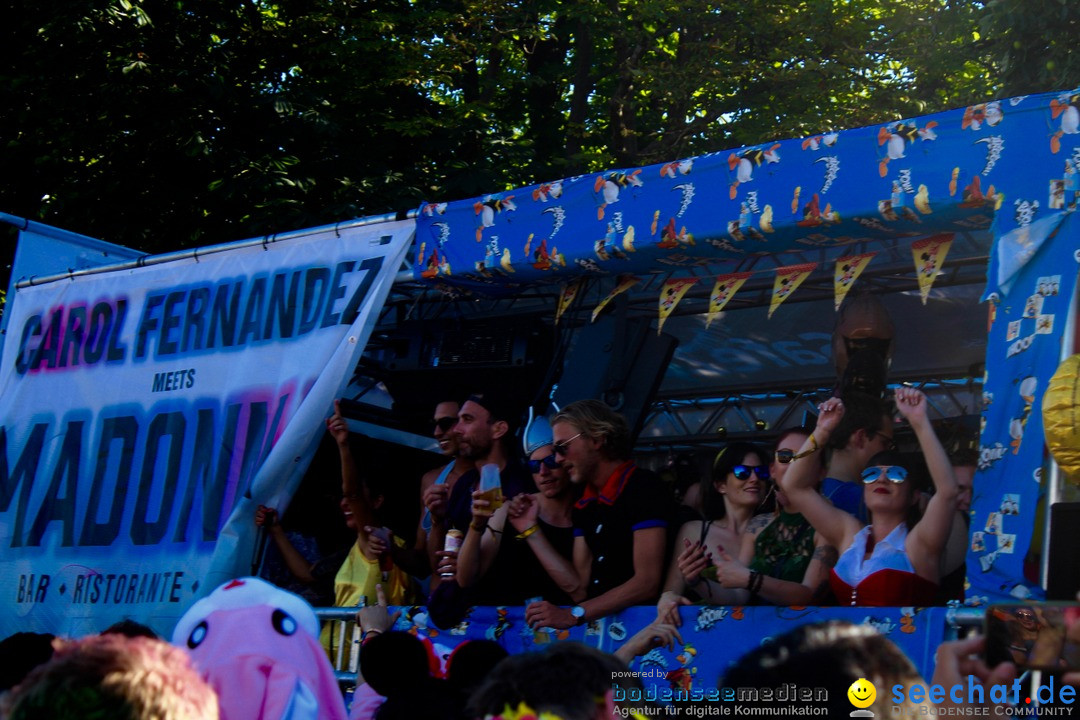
<point>258,646</point>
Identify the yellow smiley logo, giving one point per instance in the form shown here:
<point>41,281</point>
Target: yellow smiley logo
<point>862,693</point>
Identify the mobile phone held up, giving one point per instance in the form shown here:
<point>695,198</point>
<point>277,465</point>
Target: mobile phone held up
<point>1035,636</point>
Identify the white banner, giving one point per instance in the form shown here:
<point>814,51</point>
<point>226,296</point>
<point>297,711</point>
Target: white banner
<point>145,412</point>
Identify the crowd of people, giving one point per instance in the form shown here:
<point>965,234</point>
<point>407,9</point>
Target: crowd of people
<point>832,513</point>
<point>576,530</point>
<point>239,654</point>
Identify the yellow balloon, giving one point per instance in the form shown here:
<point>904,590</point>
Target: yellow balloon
<point>1060,410</point>
<point>862,693</point>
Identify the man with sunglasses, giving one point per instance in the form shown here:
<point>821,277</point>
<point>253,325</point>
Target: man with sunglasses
<point>435,487</point>
<point>865,429</point>
<point>499,559</point>
<point>484,431</point>
<point>620,522</point>
<point>436,484</point>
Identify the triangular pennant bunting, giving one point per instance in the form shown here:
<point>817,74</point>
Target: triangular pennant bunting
<point>848,270</point>
<point>723,290</point>
<point>569,292</point>
<point>929,255</point>
<point>787,279</point>
<point>670,295</point>
<point>625,283</point>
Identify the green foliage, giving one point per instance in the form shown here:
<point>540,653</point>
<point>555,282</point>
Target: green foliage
<point>161,124</point>
<point>1033,43</point>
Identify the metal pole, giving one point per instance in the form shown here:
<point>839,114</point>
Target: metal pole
<point>202,252</point>
<point>1054,480</point>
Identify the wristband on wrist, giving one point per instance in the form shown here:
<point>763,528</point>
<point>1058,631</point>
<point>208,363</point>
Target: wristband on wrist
<point>477,528</point>
<point>754,583</point>
<point>527,532</point>
<point>813,449</point>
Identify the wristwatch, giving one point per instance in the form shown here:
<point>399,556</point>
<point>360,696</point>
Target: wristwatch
<point>579,614</point>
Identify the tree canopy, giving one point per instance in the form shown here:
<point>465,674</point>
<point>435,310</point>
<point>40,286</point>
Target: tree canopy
<point>163,124</point>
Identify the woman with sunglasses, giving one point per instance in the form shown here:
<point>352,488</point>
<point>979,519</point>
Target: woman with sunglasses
<point>895,560</point>
<point>782,560</point>
<point>737,490</point>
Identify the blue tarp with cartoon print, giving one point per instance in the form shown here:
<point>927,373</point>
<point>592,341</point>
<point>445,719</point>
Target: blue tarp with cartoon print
<point>1010,166</point>
<point>713,637</point>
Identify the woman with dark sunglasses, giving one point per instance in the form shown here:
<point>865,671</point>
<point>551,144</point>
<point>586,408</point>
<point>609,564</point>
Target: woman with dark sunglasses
<point>782,560</point>
<point>737,490</point>
<point>895,560</point>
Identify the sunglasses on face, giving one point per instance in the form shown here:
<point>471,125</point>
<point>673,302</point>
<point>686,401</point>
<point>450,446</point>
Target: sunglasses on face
<point>894,473</point>
<point>890,444</point>
<point>551,462</point>
<point>445,423</point>
<point>785,456</point>
<point>742,472</point>
<point>560,448</point>
<point>1024,616</point>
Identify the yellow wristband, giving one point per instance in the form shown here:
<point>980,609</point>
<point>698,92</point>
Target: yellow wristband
<point>527,532</point>
<point>813,449</point>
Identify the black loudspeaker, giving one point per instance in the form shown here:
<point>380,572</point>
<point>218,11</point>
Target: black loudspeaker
<point>1063,578</point>
<point>619,361</point>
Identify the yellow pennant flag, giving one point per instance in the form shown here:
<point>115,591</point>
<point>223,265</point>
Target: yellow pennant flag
<point>787,279</point>
<point>848,270</point>
<point>723,290</point>
<point>670,295</point>
<point>929,255</point>
<point>626,281</point>
<point>569,292</point>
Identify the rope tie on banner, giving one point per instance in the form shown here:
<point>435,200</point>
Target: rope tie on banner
<point>140,261</point>
<point>337,233</point>
<point>195,255</point>
<point>266,239</point>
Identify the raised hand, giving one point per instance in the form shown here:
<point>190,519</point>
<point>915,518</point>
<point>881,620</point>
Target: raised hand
<point>436,499</point>
<point>336,425</point>
<point>911,404</point>
<point>829,414</point>
<point>265,517</point>
<point>523,512</point>
<point>481,510</point>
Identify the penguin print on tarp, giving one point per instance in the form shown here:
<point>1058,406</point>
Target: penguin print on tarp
<point>488,209</point>
<point>988,114</point>
<point>744,163</point>
<point>1027,389</point>
<point>609,186</point>
<point>896,137</point>
<point>1066,111</point>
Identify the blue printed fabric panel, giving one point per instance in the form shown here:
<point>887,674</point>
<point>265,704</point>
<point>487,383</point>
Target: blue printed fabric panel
<point>713,636</point>
<point>945,172</point>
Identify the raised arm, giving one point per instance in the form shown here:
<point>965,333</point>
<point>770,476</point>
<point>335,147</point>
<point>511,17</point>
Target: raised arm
<point>298,565</point>
<point>835,525</point>
<point>930,534</point>
<point>339,430</point>
<point>481,542</point>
